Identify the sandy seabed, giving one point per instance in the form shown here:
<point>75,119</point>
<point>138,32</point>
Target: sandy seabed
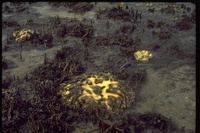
<point>167,30</point>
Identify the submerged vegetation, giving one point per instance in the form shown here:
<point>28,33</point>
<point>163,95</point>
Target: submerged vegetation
<point>95,75</point>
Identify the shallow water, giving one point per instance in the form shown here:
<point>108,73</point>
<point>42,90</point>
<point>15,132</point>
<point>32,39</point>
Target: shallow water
<point>170,88</point>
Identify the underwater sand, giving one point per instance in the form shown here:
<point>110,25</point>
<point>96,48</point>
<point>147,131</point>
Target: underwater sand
<point>170,88</point>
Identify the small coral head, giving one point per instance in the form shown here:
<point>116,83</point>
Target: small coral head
<point>100,90</point>
<point>23,35</point>
<point>143,55</point>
